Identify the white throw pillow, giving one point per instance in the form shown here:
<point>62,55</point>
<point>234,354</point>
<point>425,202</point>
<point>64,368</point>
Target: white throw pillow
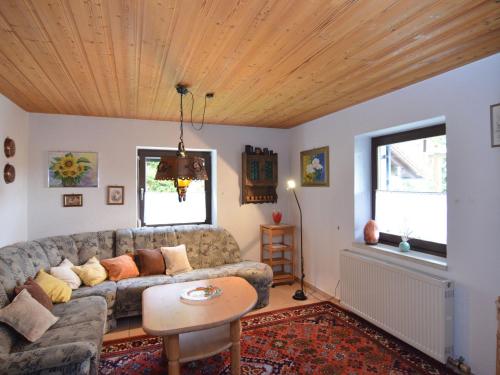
<point>64,272</point>
<point>27,316</point>
<point>176,260</point>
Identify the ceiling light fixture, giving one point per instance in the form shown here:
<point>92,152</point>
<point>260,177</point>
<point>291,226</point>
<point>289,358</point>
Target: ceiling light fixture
<point>182,168</point>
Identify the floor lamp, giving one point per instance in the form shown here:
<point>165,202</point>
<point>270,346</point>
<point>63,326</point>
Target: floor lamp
<point>299,294</point>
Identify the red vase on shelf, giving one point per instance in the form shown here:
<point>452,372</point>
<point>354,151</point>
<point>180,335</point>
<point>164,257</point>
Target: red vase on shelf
<point>277,217</point>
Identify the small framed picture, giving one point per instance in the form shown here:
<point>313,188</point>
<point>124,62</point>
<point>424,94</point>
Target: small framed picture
<point>495,125</point>
<point>314,167</point>
<point>116,195</point>
<point>72,200</point>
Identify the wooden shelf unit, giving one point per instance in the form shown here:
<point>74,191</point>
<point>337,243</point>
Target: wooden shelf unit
<point>277,249</point>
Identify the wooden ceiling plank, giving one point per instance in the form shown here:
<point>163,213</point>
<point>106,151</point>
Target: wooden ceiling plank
<point>362,73</point>
<point>427,68</point>
<point>16,51</point>
<point>61,31</point>
<point>89,22</point>
<point>270,62</point>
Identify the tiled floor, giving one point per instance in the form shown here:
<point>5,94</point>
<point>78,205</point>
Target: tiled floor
<point>281,297</point>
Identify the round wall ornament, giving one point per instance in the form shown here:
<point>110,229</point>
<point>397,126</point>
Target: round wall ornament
<point>9,147</point>
<point>9,173</point>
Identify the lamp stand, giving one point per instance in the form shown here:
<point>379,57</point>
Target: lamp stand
<point>299,294</point>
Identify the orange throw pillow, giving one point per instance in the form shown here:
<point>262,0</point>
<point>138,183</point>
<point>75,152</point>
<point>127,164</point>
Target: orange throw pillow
<point>119,268</point>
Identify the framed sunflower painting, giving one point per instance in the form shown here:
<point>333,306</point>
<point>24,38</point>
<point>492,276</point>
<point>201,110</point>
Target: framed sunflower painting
<point>73,169</point>
<point>314,167</point>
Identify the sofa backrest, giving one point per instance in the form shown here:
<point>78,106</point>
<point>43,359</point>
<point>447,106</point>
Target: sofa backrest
<point>206,245</point>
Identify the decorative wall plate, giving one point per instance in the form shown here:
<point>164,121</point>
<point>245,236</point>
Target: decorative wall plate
<point>9,147</point>
<point>9,173</point>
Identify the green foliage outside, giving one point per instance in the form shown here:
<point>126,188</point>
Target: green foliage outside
<point>154,185</point>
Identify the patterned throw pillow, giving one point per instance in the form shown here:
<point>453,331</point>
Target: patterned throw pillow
<point>27,316</point>
<point>150,262</point>
<point>57,290</point>
<point>91,273</point>
<point>36,292</point>
<point>176,260</point>
<point>119,268</point>
<point>64,273</point>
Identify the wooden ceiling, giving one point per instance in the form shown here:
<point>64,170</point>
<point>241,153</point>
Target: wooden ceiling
<point>274,63</point>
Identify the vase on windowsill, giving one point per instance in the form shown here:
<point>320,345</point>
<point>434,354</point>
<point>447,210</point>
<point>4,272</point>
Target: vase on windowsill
<point>404,245</point>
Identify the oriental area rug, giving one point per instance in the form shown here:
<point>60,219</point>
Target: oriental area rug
<point>319,338</point>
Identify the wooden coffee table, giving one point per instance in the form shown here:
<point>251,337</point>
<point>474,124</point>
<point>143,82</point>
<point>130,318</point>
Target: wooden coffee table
<point>195,330</point>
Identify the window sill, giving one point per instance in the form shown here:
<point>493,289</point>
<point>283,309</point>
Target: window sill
<point>411,256</point>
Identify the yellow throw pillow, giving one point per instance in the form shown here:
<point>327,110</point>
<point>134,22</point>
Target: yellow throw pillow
<point>56,289</point>
<point>91,273</point>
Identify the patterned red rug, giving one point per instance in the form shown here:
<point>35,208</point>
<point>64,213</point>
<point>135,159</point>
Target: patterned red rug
<point>320,338</point>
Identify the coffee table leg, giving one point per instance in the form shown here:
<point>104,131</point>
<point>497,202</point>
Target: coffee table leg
<point>172,351</point>
<point>235,332</point>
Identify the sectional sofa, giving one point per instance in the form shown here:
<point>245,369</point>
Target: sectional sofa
<point>73,344</point>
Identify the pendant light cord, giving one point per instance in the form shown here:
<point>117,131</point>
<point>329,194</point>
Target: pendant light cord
<point>204,109</point>
<point>182,121</point>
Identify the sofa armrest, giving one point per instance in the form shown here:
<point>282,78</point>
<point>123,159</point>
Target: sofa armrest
<point>73,358</point>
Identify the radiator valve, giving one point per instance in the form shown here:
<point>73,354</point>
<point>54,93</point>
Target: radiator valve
<point>458,366</point>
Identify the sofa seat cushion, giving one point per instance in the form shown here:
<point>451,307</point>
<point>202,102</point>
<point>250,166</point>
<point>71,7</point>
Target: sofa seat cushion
<point>106,289</point>
<point>129,293</point>
<point>80,310</point>
<point>260,275</point>
<point>86,332</point>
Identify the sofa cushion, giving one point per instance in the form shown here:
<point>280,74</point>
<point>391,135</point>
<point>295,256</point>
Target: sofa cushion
<point>217,247</point>
<point>80,310</point>
<point>90,331</point>
<point>36,292</point>
<point>36,253</point>
<point>67,248</point>
<point>150,262</point>
<point>15,268</point>
<point>129,293</point>
<point>57,290</point>
<point>190,235</point>
<point>51,250</point>
<point>106,242</point>
<point>92,273</point>
<point>106,289</point>
<point>27,316</point>
<point>120,267</point>
<point>87,246</point>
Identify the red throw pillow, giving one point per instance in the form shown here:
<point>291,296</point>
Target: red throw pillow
<point>36,292</point>
<point>150,261</point>
<point>119,268</point>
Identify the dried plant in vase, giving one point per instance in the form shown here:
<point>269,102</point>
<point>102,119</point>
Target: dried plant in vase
<point>404,245</point>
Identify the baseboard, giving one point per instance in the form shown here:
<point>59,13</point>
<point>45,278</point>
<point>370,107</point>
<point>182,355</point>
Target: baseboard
<point>324,294</point>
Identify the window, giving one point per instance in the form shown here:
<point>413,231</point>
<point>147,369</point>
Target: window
<point>409,188</point>
<point>158,201</point>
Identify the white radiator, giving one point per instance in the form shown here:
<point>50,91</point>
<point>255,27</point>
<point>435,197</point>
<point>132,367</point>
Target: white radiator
<point>413,306</point>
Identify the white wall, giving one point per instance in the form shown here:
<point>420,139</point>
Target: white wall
<point>116,141</point>
<point>464,97</point>
<point>13,196</point>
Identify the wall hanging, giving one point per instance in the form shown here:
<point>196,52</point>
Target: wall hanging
<point>259,175</point>
<point>72,200</point>
<point>9,173</point>
<point>314,167</point>
<point>73,169</point>
<point>116,195</point>
<point>9,147</point>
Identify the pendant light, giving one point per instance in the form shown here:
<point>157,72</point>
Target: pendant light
<point>181,168</point>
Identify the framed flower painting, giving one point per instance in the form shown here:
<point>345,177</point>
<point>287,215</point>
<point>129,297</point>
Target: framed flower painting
<point>73,169</point>
<point>314,167</point>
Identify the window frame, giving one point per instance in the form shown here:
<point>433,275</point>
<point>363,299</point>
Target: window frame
<point>423,246</point>
<point>144,153</point>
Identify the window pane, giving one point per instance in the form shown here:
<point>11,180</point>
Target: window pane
<point>411,188</point>
<point>161,203</point>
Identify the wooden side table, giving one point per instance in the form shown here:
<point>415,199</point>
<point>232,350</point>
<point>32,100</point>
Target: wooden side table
<point>277,249</point>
